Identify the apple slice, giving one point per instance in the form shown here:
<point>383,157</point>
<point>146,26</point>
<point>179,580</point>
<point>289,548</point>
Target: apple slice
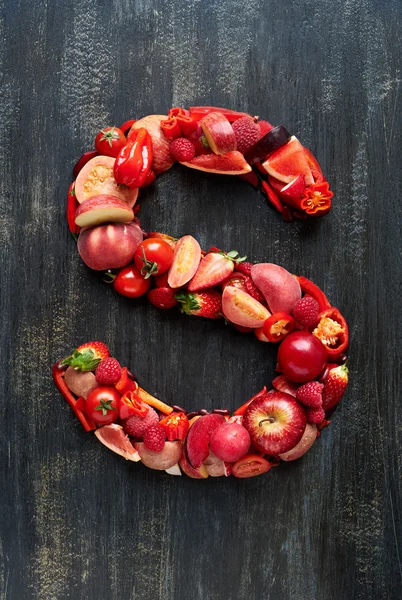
<point>231,163</point>
<point>308,438</point>
<point>102,209</point>
<point>165,459</point>
<point>293,192</point>
<point>175,470</point>
<point>196,446</point>
<point>200,473</point>
<point>186,258</point>
<point>96,178</point>
<point>219,133</point>
<point>288,162</point>
<point>240,308</point>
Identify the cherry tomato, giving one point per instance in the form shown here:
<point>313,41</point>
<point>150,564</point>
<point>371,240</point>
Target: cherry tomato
<point>153,257</point>
<point>129,282</point>
<point>278,325</point>
<point>110,141</point>
<point>300,357</point>
<point>250,466</point>
<point>162,280</point>
<point>102,405</point>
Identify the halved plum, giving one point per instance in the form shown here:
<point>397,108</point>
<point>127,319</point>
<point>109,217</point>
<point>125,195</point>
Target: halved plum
<point>197,440</point>
<point>271,141</point>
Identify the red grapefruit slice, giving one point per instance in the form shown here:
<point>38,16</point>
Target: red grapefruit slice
<point>114,438</point>
<point>288,162</point>
<point>231,163</point>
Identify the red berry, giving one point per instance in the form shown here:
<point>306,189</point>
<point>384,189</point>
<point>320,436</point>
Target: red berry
<point>310,394</point>
<point>244,267</point>
<point>254,292</point>
<point>315,415</point>
<point>154,438</point>
<point>162,297</point>
<point>247,133</point>
<point>306,311</point>
<point>182,149</point>
<point>108,372</point>
<point>136,426</point>
<point>334,386</point>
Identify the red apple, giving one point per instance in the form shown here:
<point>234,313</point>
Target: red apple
<point>109,246</point>
<point>219,133</point>
<point>275,422</point>
<point>103,209</point>
<point>162,159</point>
<point>308,438</point>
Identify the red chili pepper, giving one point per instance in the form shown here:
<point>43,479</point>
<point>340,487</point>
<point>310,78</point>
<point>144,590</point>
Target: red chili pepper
<point>131,405</point>
<point>272,196</point>
<point>134,160</point>
<point>171,128</point>
<point>125,384</point>
<point>187,124</point>
<point>76,405</point>
<point>317,199</point>
<point>86,157</point>
<point>242,409</point>
<point>72,205</point>
<point>176,426</point>
<point>197,112</point>
<point>127,125</point>
<point>178,112</point>
<point>332,330</point>
<point>278,325</point>
<point>311,289</point>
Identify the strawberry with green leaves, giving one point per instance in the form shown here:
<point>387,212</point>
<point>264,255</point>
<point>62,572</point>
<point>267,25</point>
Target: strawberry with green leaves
<point>334,386</point>
<point>214,268</point>
<point>207,303</point>
<point>87,356</point>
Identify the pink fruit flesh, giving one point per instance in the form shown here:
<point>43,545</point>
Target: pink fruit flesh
<point>103,209</point>
<point>187,256</point>
<point>232,163</point>
<point>200,473</point>
<point>308,438</point>
<point>280,288</point>
<point>230,442</point>
<point>197,440</point>
<point>162,159</point>
<point>275,422</point>
<point>219,133</point>
<point>114,438</point>
<point>109,246</point>
<point>97,178</point>
<point>215,466</point>
<point>80,383</point>
<point>166,458</point>
<point>293,192</point>
<point>240,308</point>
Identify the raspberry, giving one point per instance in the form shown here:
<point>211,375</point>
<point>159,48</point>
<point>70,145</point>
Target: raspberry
<point>162,297</point>
<point>136,426</point>
<point>182,149</point>
<point>244,267</point>
<point>108,372</point>
<point>310,394</point>
<point>306,311</point>
<point>315,415</point>
<point>154,438</point>
<point>247,133</point>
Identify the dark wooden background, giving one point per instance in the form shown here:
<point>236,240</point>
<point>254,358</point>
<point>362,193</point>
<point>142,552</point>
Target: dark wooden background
<point>78,522</point>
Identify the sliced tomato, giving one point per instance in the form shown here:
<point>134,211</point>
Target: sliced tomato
<point>250,465</point>
<point>278,325</point>
<point>97,178</point>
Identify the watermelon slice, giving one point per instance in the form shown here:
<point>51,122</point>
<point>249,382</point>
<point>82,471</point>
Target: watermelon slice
<point>114,438</point>
<point>231,163</point>
<point>288,162</point>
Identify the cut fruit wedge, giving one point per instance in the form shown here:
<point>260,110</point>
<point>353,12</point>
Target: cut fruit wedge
<point>288,162</point>
<point>175,470</point>
<point>240,308</point>
<point>103,209</point>
<point>114,438</point>
<point>231,163</point>
<point>186,258</point>
<point>97,178</point>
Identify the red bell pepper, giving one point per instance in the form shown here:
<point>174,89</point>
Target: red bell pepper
<point>131,405</point>
<point>127,125</point>
<point>197,112</point>
<point>77,405</point>
<point>242,409</point>
<point>125,383</point>
<point>278,325</point>
<point>317,199</point>
<point>86,157</point>
<point>72,205</point>
<point>311,289</point>
<point>332,330</point>
<point>134,160</point>
<point>176,426</point>
<point>171,128</point>
<point>272,196</point>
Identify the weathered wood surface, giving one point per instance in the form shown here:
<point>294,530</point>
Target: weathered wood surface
<point>78,522</point>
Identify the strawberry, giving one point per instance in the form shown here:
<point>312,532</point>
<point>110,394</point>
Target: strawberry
<point>87,356</point>
<point>213,269</point>
<point>162,297</point>
<point>244,267</point>
<point>108,372</point>
<point>202,304</point>
<point>334,386</point>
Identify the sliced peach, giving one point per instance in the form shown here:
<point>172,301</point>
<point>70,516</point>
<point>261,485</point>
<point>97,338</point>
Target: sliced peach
<point>240,308</point>
<point>219,133</point>
<point>187,256</point>
<point>103,209</point>
<point>308,438</point>
<point>96,178</point>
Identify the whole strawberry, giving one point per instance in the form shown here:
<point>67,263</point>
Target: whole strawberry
<point>201,304</point>
<point>310,394</point>
<point>154,438</point>
<point>108,372</point>
<point>306,311</point>
<point>247,133</point>
<point>334,386</point>
<point>162,297</point>
<point>87,356</point>
<point>182,149</point>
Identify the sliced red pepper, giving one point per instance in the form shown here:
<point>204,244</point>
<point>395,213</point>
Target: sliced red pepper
<point>197,112</point>
<point>127,125</point>
<point>171,128</point>
<point>134,160</point>
<point>311,289</point>
<point>131,405</point>
<point>317,199</point>
<point>72,205</point>
<point>77,405</point>
<point>178,112</point>
<point>278,325</point>
<point>251,178</point>
<point>187,124</point>
<point>272,196</point>
<point>332,330</point>
<point>86,157</point>
<point>176,426</point>
<point>242,409</point>
<point>125,384</point>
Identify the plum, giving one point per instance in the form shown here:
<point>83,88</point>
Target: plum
<point>271,141</point>
<point>80,383</point>
<point>280,288</point>
<point>200,473</point>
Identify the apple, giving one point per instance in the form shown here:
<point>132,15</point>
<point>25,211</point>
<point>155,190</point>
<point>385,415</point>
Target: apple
<point>96,177</point>
<point>103,209</point>
<point>231,163</point>
<point>308,438</point>
<point>240,308</point>
<point>109,246</point>
<point>275,422</point>
<point>165,459</point>
<point>80,383</point>
<point>293,192</point>
<point>219,133</point>
<point>196,445</point>
<point>280,288</point>
<point>281,384</point>
<point>200,473</point>
<point>162,159</point>
<point>230,442</point>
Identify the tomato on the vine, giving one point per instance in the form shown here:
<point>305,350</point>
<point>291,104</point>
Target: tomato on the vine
<point>110,141</point>
<point>102,405</point>
<point>250,466</point>
<point>153,257</point>
<point>129,282</point>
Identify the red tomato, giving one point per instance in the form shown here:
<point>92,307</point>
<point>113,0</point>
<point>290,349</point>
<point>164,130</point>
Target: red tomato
<point>162,280</point>
<point>110,141</point>
<point>102,405</point>
<point>250,466</point>
<point>153,257</point>
<point>129,282</point>
<point>278,325</point>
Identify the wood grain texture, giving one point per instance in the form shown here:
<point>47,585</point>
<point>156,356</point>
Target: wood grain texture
<point>78,522</point>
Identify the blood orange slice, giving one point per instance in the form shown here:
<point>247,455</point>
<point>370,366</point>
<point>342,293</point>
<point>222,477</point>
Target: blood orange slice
<point>114,438</point>
<point>288,162</point>
<point>231,163</point>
